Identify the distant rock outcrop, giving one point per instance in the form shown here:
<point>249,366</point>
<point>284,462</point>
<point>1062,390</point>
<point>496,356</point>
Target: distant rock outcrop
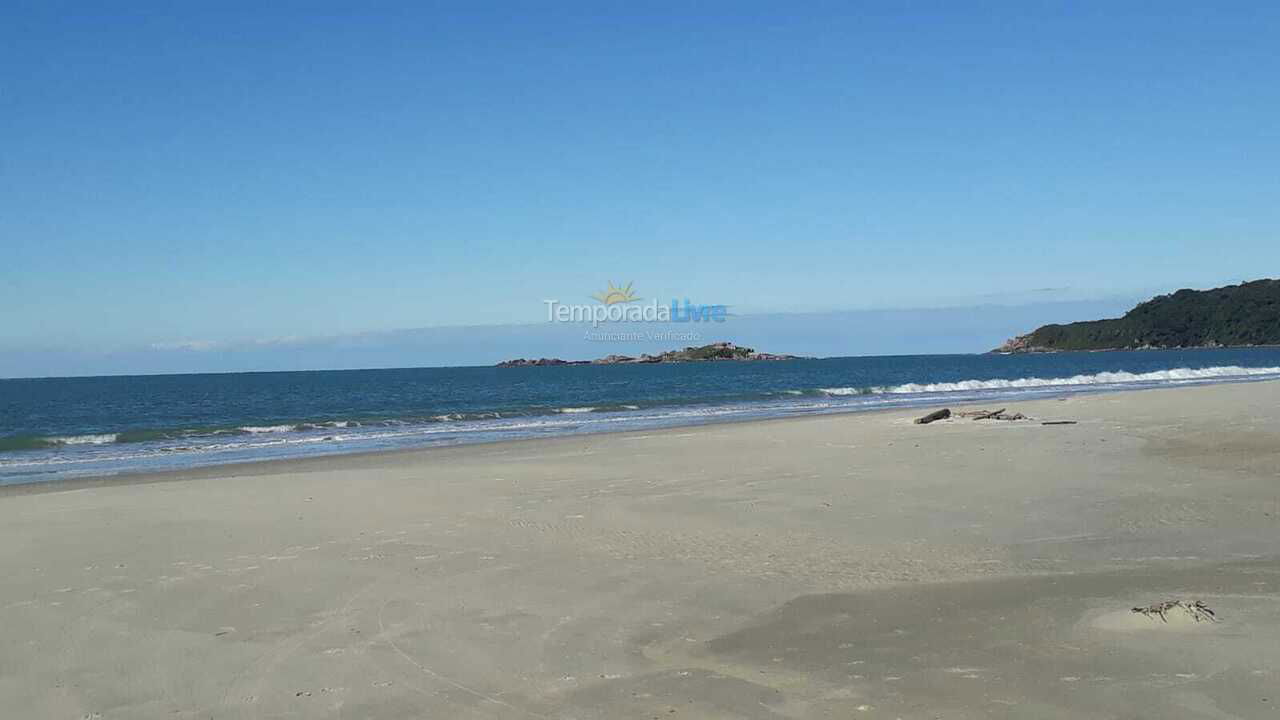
<point>540,362</point>
<point>1020,344</point>
<point>720,351</point>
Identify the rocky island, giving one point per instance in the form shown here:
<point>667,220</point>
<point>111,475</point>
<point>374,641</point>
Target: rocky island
<point>720,351</point>
<point>1242,315</point>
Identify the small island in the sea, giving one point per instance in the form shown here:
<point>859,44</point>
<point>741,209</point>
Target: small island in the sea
<point>720,351</point>
<point>1244,315</point>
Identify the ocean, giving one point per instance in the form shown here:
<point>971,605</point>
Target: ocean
<point>57,428</point>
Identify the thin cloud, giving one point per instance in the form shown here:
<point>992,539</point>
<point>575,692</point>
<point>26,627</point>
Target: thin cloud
<point>186,345</point>
<point>210,345</point>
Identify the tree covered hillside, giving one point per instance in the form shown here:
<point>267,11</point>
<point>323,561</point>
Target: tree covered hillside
<point>1246,314</point>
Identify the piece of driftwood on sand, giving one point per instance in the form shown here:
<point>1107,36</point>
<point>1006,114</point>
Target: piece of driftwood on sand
<point>991,415</point>
<point>1196,609</point>
<point>942,414</point>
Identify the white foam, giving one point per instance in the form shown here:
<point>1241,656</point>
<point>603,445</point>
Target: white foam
<point>98,439</point>
<point>846,391</point>
<point>1176,375</point>
<point>575,410</point>
<point>267,428</point>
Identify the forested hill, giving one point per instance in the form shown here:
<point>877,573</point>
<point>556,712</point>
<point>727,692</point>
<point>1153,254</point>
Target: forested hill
<point>1236,315</point>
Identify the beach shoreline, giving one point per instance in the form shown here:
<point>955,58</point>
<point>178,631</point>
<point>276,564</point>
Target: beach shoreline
<point>361,458</point>
<point>357,458</point>
<point>824,565</point>
<point>63,429</point>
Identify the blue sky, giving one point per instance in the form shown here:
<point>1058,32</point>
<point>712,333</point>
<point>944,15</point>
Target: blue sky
<point>229,174</point>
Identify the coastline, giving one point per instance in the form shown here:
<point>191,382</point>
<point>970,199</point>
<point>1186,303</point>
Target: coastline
<point>218,468</point>
<point>352,460</point>
<point>60,430</point>
<point>797,567</point>
<point>366,458</point>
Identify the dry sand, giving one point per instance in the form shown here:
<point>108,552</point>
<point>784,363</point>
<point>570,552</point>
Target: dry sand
<point>841,566</point>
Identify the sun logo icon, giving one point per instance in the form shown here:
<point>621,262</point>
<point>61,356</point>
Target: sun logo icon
<point>615,295</point>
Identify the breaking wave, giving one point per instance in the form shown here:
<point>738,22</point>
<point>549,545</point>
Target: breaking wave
<point>843,391</point>
<point>93,439</point>
<point>256,429</point>
<point>1173,376</point>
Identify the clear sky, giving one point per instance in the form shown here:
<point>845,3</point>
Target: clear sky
<point>211,173</point>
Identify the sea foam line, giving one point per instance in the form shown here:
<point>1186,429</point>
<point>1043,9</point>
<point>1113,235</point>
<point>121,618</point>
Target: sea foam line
<point>91,439</point>
<point>1103,378</point>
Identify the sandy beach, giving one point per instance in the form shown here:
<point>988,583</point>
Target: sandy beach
<point>837,566</point>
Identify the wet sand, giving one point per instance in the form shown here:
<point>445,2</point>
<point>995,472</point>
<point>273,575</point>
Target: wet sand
<point>840,566</point>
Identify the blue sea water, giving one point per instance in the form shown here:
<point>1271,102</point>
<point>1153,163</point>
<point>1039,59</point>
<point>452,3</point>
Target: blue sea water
<point>55,428</point>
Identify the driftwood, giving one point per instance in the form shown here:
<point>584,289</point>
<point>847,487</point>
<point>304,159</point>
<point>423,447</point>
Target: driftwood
<point>1196,609</point>
<point>942,414</point>
<point>992,415</point>
<point>1059,422</point>
<point>1000,414</point>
